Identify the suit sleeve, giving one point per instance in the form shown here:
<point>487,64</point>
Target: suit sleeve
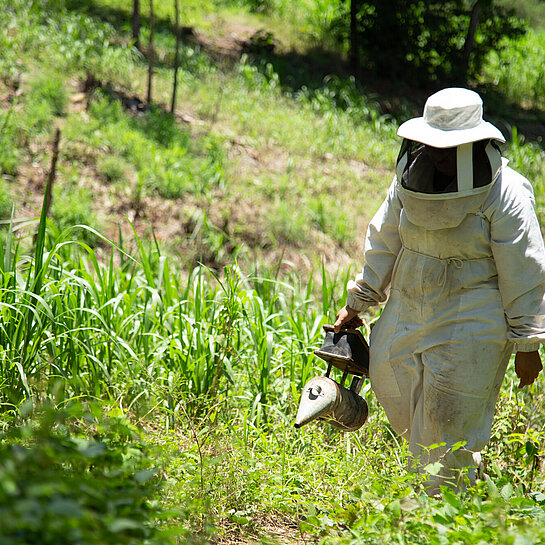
<point>382,245</point>
<point>518,250</point>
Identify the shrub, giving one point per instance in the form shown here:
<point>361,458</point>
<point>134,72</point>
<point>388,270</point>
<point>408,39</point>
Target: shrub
<point>517,71</point>
<point>331,220</point>
<point>9,153</point>
<point>58,485</point>
<point>6,201</point>
<point>424,41</point>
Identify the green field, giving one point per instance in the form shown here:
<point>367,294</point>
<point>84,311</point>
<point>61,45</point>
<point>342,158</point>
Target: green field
<point>158,319</point>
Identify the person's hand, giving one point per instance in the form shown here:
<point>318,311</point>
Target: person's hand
<point>345,315</point>
<point>527,366</point>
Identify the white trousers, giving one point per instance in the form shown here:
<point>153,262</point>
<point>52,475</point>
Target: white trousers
<point>436,367</point>
<point>440,408</point>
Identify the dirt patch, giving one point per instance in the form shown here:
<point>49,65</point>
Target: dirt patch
<point>269,528</point>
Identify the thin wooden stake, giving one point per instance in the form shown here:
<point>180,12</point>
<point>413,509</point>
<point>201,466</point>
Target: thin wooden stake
<point>48,197</point>
<point>150,51</point>
<point>52,171</point>
<point>176,56</point>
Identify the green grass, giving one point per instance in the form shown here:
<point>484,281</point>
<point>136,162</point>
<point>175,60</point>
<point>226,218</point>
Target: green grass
<point>74,321</point>
<point>6,201</point>
<point>114,168</point>
<point>529,158</point>
<point>220,362</point>
<point>350,488</point>
<point>9,154</point>
<point>73,205</point>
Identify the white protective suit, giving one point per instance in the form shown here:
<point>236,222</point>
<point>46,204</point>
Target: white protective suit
<point>465,270</point>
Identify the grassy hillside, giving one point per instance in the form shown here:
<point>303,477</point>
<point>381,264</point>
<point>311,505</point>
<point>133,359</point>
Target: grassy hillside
<point>264,156</point>
<point>173,384</point>
<point>242,168</point>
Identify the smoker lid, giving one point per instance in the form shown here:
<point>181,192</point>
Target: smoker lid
<point>347,350</point>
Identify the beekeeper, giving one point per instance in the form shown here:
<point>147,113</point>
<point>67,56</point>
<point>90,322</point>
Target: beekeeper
<point>458,247</point>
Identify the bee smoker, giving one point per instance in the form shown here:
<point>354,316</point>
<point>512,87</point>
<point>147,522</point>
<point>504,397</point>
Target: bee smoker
<point>325,399</point>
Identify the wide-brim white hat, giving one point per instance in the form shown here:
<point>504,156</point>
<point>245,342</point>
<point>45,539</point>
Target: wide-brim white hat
<point>451,117</point>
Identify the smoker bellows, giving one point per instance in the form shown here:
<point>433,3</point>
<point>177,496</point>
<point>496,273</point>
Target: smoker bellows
<point>325,399</point>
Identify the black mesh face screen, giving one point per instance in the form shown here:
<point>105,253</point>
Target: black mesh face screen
<point>428,170</point>
<point>482,171</point>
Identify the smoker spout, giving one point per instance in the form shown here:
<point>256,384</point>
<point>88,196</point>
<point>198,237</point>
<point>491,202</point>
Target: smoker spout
<point>323,398</point>
<point>319,397</point>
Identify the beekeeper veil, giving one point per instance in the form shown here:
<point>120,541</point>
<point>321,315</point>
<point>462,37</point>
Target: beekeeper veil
<point>448,161</point>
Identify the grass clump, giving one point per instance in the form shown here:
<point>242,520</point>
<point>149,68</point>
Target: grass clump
<point>331,220</point>
<point>287,226</point>
<point>62,41</point>
<point>81,43</point>
<point>166,158</point>
<point>114,168</point>
<point>49,89</point>
<point>46,99</point>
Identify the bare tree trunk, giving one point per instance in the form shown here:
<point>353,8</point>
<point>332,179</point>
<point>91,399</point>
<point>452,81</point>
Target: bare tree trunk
<point>150,51</point>
<point>354,35</point>
<point>136,23</point>
<point>469,43</point>
<point>176,56</point>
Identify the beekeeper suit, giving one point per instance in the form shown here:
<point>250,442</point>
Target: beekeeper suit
<point>458,246</point>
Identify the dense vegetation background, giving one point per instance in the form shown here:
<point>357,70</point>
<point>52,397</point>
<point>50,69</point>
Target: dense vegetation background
<point>167,267</point>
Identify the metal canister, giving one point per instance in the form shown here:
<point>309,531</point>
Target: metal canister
<point>325,399</point>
